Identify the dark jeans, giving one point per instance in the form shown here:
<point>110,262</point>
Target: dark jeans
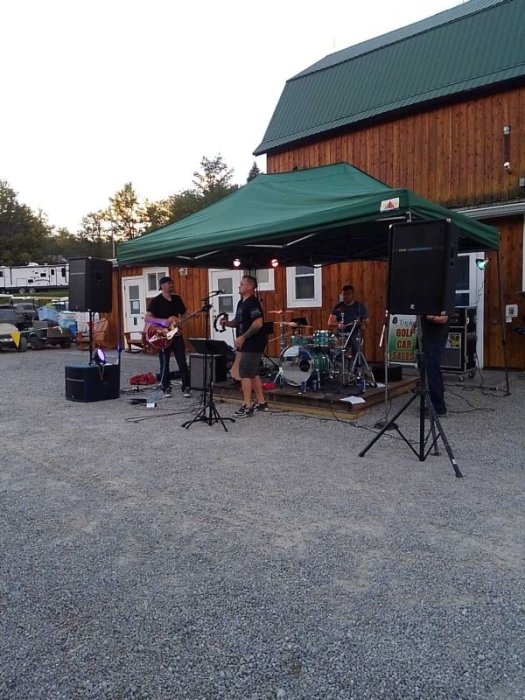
<point>432,363</point>
<point>177,347</point>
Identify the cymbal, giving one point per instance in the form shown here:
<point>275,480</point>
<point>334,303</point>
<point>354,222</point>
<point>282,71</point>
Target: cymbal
<point>280,311</point>
<point>289,323</point>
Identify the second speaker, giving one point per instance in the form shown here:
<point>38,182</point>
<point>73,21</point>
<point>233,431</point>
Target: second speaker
<point>90,284</point>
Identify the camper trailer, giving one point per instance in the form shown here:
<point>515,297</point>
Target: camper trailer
<point>33,277</point>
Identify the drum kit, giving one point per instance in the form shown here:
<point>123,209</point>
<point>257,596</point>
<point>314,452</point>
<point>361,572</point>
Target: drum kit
<point>311,360</point>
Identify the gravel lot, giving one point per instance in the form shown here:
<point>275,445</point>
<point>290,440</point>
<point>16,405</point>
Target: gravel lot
<point>142,560</point>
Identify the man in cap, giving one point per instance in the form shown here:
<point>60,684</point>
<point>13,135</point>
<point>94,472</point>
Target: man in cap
<point>166,310</point>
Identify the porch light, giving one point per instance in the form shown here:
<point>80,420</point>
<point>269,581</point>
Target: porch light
<point>236,262</point>
<point>274,262</point>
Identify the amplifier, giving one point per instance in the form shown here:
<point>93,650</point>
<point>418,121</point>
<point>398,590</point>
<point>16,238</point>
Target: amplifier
<point>394,372</point>
<point>92,382</point>
<point>215,370</point>
<point>459,354</point>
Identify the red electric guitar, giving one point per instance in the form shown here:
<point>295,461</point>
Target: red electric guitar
<point>161,337</point>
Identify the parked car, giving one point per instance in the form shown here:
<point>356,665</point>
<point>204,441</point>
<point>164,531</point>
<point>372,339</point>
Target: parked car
<point>10,325</point>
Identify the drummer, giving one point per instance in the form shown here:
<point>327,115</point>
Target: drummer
<point>349,316</point>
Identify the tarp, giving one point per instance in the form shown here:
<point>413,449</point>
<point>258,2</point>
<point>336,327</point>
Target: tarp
<point>317,216</point>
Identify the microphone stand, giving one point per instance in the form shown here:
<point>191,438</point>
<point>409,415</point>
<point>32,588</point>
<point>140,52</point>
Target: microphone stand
<point>384,422</point>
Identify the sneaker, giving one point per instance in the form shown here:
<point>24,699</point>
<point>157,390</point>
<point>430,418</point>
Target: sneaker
<point>186,393</point>
<point>243,412</point>
<point>256,406</point>
<point>167,392</point>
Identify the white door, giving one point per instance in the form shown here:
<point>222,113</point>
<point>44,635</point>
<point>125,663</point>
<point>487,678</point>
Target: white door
<point>228,282</point>
<point>134,304</point>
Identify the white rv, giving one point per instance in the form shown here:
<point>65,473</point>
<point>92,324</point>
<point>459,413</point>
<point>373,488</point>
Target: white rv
<point>32,277</point>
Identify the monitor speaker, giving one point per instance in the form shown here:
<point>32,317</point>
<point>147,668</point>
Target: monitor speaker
<point>92,382</point>
<point>216,370</point>
<point>90,284</point>
<point>422,267</point>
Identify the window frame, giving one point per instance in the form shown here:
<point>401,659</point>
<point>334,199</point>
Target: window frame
<point>316,301</point>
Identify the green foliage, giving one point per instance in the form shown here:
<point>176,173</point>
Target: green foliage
<point>27,237</point>
<point>22,233</point>
<point>212,184</point>
<point>254,171</point>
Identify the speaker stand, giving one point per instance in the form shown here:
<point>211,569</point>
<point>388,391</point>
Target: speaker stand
<point>436,429</point>
<point>385,331</point>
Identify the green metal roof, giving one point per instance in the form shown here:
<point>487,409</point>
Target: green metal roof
<point>471,46</point>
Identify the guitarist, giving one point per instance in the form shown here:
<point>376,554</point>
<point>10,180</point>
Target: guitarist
<point>166,309</point>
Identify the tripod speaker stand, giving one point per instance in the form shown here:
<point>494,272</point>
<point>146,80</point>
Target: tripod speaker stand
<point>208,413</point>
<point>425,405</point>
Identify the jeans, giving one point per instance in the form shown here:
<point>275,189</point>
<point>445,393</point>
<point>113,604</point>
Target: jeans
<point>177,347</point>
<point>432,361</point>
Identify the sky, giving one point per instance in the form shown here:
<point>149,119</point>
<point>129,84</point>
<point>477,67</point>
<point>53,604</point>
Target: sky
<point>97,93</point>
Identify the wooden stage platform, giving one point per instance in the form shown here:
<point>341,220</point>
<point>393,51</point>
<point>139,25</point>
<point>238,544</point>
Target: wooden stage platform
<point>327,401</point>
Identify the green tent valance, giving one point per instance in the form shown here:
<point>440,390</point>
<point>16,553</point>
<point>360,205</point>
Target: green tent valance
<point>317,216</point>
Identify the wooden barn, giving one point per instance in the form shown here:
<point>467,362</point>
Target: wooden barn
<point>437,108</point>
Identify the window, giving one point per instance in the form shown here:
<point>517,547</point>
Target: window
<point>303,286</point>
<point>265,280</point>
<point>152,280</point>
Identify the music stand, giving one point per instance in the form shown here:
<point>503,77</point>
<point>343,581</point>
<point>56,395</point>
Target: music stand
<point>208,413</point>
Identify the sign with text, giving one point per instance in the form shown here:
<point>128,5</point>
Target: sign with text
<point>402,337</point>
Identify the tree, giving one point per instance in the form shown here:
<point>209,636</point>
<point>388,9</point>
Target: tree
<point>214,182</point>
<point>23,234</point>
<point>254,171</point>
<point>125,214</point>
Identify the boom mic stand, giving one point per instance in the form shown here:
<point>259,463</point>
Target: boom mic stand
<point>436,429</point>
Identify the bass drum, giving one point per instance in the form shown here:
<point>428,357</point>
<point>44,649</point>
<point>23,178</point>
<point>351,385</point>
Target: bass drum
<point>300,364</point>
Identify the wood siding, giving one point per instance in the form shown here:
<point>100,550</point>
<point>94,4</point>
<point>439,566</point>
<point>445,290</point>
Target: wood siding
<point>452,155</point>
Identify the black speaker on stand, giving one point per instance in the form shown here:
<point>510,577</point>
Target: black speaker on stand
<point>422,267</point>
<point>90,284</point>
<point>90,289</point>
<point>421,280</point>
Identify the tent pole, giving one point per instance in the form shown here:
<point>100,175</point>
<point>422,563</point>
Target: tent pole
<point>119,316</point>
<point>503,325</point>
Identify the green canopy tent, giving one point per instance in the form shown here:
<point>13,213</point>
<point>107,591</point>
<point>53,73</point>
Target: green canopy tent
<point>317,216</point>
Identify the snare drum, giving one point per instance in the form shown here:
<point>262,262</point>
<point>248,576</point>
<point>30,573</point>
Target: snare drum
<point>322,339</point>
<point>300,364</point>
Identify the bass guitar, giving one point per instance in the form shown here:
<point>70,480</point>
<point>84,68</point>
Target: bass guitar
<point>161,337</point>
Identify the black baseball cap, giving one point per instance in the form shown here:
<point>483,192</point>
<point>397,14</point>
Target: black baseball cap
<point>163,280</point>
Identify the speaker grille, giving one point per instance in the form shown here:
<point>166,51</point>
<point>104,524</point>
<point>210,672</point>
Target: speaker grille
<point>422,267</point>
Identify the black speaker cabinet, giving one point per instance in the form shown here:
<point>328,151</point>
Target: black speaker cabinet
<point>216,370</point>
<point>422,267</point>
<point>92,383</point>
<point>459,355</point>
<point>90,284</point>
<point>395,372</point>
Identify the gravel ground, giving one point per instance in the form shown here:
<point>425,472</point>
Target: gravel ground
<point>142,560</point>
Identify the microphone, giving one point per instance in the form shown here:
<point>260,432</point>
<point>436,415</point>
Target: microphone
<point>214,294</point>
